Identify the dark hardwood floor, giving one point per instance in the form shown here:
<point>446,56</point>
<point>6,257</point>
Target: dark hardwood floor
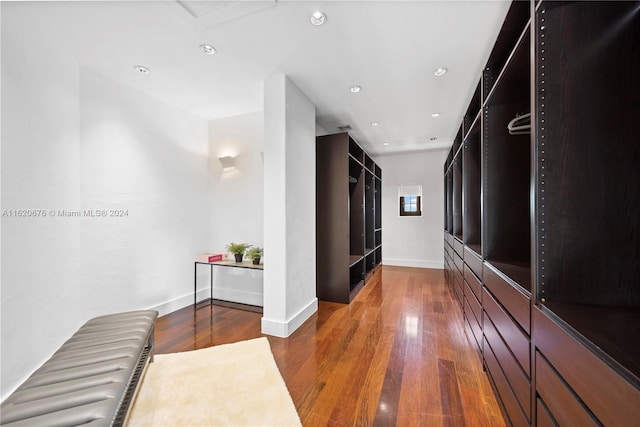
<point>397,355</point>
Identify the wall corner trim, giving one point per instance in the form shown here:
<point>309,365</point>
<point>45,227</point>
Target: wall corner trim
<point>284,329</point>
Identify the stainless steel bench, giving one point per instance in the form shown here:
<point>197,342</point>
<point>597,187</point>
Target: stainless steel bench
<point>91,380</point>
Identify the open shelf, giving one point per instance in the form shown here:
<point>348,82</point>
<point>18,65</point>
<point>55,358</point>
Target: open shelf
<point>378,255</point>
<point>378,238</point>
<point>368,163</point>
<point>511,30</point>
<point>457,196</point>
<point>370,261</point>
<point>356,275</point>
<point>507,169</point>
<point>473,110</point>
<point>355,151</point>
<point>370,209</point>
<point>449,184</point>
<point>356,208</point>
<point>472,179</point>
<point>378,203</point>
<point>588,170</point>
<point>457,142</point>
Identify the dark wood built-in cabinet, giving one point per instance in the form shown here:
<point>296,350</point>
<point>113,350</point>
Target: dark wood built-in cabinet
<point>542,214</point>
<point>348,217</point>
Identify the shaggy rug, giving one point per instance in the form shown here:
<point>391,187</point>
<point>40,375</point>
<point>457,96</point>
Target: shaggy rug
<point>235,384</point>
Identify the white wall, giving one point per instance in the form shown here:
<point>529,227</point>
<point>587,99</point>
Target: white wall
<point>237,194</point>
<point>236,204</point>
<point>413,241</point>
<point>73,140</point>
<point>289,207</point>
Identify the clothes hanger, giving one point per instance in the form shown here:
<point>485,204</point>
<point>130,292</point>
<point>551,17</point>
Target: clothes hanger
<point>521,125</point>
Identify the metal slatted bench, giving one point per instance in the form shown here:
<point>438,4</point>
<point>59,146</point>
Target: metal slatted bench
<point>91,380</point>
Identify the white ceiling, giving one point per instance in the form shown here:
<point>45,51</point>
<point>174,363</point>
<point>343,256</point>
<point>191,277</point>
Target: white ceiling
<point>390,48</point>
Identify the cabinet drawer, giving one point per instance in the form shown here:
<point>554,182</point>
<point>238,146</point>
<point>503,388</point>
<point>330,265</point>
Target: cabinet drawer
<point>449,238</point>
<point>458,288</point>
<point>543,418</point>
<point>612,399</point>
<point>512,335</point>
<point>503,390</point>
<point>474,283</point>
<point>561,402</point>
<point>473,321</point>
<point>457,260</point>
<point>474,304</point>
<point>516,303</point>
<point>457,247</point>
<point>473,261</point>
<point>472,333</point>
<point>517,378</point>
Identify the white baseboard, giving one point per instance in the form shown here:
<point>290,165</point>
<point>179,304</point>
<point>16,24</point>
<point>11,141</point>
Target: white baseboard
<point>284,329</point>
<point>180,302</point>
<point>399,262</point>
<point>239,296</point>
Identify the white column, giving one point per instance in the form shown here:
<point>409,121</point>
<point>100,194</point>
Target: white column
<point>289,207</point>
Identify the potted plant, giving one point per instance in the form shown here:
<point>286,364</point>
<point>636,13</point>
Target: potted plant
<point>237,249</point>
<point>255,253</point>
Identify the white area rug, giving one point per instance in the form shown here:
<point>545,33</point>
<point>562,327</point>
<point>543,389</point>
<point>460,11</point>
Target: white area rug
<point>235,384</point>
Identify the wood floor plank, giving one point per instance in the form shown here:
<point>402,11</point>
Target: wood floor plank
<point>397,355</point>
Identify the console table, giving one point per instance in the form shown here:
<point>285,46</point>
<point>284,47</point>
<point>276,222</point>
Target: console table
<point>203,259</point>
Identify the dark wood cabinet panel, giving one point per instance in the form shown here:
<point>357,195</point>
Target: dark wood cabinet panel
<point>458,247</point>
<point>518,379</point>
<point>345,217</point>
<point>588,163</point>
<point>514,300</point>
<point>562,403</point>
<point>457,259</point>
<point>475,285</point>
<point>474,304</point>
<point>505,395</point>
<point>548,245</point>
<point>473,260</point>
<point>513,336</point>
<point>612,398</point>
<point>473,331</point>
<point>543,417</point>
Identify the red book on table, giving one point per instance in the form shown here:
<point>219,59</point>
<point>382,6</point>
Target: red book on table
<point>214,257</point>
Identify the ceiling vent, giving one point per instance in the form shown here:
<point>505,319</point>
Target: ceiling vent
<point>211,14</point>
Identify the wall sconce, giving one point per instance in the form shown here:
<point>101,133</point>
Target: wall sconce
<point>227,162</point>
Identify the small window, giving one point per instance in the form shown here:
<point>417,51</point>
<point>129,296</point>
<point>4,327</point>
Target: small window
<point>410,200</point>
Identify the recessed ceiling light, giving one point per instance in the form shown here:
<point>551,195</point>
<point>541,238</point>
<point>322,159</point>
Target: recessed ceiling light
<point>374,124</point>
<point>141,69</point>
<point>208,49</point>
<point>433,138</point>
<point>440,72</point>
<point>355,89</point>
<point>318,18</point>
<point>434,115</point>
<point>386,143</point>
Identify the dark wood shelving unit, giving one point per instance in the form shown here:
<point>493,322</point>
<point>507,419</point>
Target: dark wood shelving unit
<point>550,266</point>
<point>457,196</point>
<point>473,110</point>
<point>507,165</point>
<point>348,203</point>
<point>472,180</point>
<point>588,172</point>
<point>515,21</point>
<point>449,201</point>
